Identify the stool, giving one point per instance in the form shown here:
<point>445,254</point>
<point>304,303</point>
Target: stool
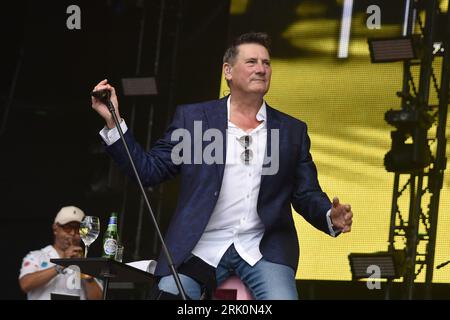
<point>232,289</point>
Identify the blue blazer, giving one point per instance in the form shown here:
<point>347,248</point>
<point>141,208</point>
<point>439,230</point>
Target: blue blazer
<point>294,184</point>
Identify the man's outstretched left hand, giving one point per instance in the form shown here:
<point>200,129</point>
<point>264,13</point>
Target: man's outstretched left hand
<point>341,216</point>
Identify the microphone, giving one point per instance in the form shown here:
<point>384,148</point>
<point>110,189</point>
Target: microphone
<point>105,97</point>
<point>102,95</point>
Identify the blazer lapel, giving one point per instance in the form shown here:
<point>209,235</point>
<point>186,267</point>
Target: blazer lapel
<point>273,123</point>
<point>216,117</point>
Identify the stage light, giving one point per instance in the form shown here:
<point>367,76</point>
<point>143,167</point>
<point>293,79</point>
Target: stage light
<point>408,120</point>
<point>408,157</point>
<point>392,49</point>
<point>379,265</point>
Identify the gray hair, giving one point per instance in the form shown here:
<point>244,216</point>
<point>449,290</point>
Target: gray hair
<point>251,37</point>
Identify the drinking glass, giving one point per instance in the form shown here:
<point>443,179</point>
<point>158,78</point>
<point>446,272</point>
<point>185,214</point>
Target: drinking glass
<point>119,253</point>
<point>89,231</point>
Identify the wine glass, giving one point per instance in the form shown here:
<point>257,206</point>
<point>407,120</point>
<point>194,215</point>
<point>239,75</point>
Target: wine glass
<point>89,231</point>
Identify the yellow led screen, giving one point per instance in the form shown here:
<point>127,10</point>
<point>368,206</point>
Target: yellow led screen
<point>343,101</point>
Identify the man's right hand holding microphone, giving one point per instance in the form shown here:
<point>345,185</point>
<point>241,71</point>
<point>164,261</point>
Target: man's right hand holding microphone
<point>101,107</point>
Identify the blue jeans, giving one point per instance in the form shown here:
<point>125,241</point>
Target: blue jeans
<point>265,280</point>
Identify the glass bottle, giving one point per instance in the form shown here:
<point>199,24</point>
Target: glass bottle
<point>111,238</point>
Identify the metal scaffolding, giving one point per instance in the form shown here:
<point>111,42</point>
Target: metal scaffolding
<point>416,192</point>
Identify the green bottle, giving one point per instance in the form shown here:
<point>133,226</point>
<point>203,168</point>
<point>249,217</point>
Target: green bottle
<point>111,238</point>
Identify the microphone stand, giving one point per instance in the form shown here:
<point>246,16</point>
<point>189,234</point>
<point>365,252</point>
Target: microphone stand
<point>105,98</point>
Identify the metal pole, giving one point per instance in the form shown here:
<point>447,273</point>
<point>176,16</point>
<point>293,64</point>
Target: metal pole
<point>394,206</point>
<point>437,174</point>
<point>408,279</point>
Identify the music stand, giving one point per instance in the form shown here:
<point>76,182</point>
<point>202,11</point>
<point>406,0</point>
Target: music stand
<point>108,270</point>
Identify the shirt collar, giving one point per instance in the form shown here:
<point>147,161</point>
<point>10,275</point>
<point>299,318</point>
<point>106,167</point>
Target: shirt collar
<point>260,116</point>
<point>51,251</point>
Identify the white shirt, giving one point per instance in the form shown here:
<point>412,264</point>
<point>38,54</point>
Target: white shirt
<point>62,283</point>
<point>235,219</point>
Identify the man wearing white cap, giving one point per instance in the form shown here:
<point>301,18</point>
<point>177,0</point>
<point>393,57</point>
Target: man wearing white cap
<point>39,277</point>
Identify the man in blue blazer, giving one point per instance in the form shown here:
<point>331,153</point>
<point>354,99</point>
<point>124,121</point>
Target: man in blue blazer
<point>242,165</point>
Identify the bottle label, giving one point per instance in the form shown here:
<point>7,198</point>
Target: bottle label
<point>112,220</point>
<point>110,247</point>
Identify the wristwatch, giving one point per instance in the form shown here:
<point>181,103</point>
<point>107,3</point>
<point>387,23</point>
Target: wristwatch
<point>59,269</point>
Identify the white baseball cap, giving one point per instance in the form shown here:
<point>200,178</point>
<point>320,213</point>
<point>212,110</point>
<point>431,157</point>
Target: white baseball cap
<point>69,214</point>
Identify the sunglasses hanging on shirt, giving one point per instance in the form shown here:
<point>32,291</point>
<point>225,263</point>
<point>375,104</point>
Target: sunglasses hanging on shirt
<point>247,154</point>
